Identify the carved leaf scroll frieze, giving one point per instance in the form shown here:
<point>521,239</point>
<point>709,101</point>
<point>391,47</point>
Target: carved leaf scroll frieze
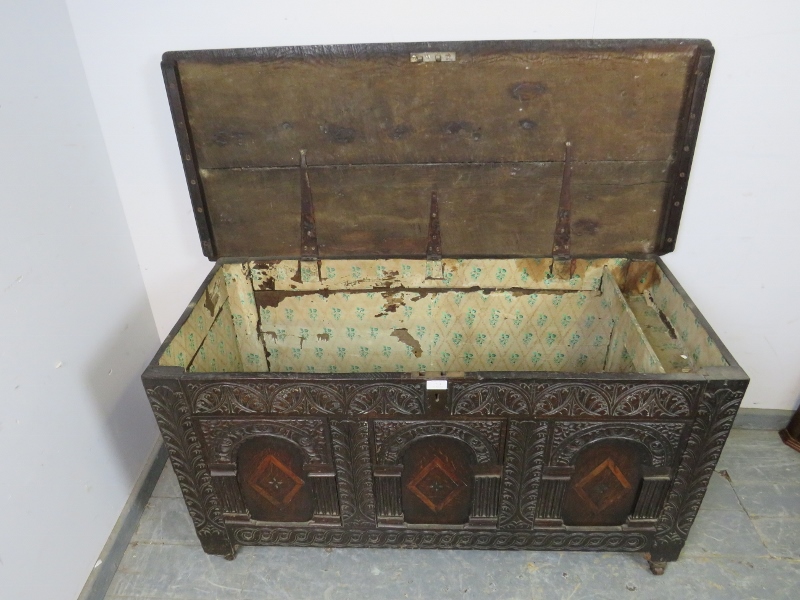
<point>491,399</point>
<point>305,398</point>
<point>660,439</point>
<point>388,399</point>
<point>483,437</point>
<point>576,399</point>
<point>223,437</point>
<point>650,400</point>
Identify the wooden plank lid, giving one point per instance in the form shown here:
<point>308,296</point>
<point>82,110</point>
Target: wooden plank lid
<point>358,144</point>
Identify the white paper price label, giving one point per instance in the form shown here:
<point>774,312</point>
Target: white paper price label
<point>436,384</point>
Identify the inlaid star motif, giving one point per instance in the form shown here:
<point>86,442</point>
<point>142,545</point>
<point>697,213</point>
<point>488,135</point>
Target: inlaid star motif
<point>603,486</point>
<point>436,485</point>
<point>275,481</point>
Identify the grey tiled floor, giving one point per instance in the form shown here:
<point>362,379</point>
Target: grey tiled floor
<point>745,543</point>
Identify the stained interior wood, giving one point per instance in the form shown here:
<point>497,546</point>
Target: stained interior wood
<point>499,209</point>
<point>486,131</point>
<point>449,316</point>
<point>486,106</point>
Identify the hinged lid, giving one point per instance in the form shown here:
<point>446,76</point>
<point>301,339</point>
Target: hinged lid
<point>359,142</point>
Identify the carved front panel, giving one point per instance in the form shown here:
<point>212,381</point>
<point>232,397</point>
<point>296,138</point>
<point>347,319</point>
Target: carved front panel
<point>600,470</point>
<point>283,467</point>
<point>604,486</point>
<point>272,481</point>
<point>439,472</point>
<point>437,481</point>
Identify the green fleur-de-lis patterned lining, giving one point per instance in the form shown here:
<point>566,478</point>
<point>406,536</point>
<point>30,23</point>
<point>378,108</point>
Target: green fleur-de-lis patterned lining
<point>474,330</point>
<point>529,273</point>
<point>207,340</point>
<point>220,350</point>
<point>458,330</point>
<point>696,341</point>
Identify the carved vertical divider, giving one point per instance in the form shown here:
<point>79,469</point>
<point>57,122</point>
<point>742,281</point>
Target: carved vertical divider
<point>326,504</point>
<point>173,416</point>
<point>485,496</point>
<point>353,472</point>
<point>524,461</point>
<point>230,495</point>
<point>651,497</point>
<point>554,485</point>
<point>715,414</point>
<point>389,494</point>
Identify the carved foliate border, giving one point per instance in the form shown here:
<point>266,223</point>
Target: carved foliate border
<point>386,398</point>
<point>306,398</point>
<point>353,472</point>
<point>577,399</point>
<point>649,400</point>
<point>524,460</point>
<point>716,413</point>
<point>173,417</point>
<point>492,399</point>
<point>483,437</point>
<point>224,436</point>
<point>662,440</point>
<point>461,539</point>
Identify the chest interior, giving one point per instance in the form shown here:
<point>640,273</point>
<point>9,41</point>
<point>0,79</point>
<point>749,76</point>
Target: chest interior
<point>453,315</point>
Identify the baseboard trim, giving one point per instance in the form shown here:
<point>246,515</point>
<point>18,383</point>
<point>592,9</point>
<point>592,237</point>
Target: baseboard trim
<point>771,419</point>
<point>100,578</point>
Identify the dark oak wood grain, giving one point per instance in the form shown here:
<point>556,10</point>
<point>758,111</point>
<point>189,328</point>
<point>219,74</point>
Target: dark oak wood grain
<point>506,104</point>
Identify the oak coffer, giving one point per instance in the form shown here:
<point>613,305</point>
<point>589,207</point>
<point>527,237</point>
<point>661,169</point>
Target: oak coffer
<point>438,317</point>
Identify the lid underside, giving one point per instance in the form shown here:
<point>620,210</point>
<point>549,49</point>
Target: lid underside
<point>486,132</point>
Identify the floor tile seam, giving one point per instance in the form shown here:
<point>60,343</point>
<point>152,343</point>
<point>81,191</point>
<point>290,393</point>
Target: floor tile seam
<point>135,543</point>
<point>751,482</point>
<point>750,518</point>
<point>738,498</point>
<point>764,542</point>
<point>170,597</point>
<point>726,556</point>
<point>138,597</point>
<point>761,517</point>
<point>787,559</point>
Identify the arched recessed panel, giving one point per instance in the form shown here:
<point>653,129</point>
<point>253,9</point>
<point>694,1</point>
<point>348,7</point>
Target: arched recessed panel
<point>273,483</point>
<point>437,481</point>
<point>606,481</point>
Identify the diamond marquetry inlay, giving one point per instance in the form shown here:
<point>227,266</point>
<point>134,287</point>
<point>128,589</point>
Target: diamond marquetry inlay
<point>603,486</point>
<point>275,481</point>
<point>436,485</point>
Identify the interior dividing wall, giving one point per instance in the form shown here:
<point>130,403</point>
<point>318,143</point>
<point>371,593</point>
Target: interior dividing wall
<point>77,329</point>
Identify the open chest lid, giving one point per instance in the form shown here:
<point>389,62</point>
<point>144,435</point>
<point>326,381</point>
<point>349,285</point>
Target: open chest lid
<point>463,149</point>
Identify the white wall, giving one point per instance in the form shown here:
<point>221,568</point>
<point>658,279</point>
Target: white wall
<point>742,205</point>
<point>75,427</point>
